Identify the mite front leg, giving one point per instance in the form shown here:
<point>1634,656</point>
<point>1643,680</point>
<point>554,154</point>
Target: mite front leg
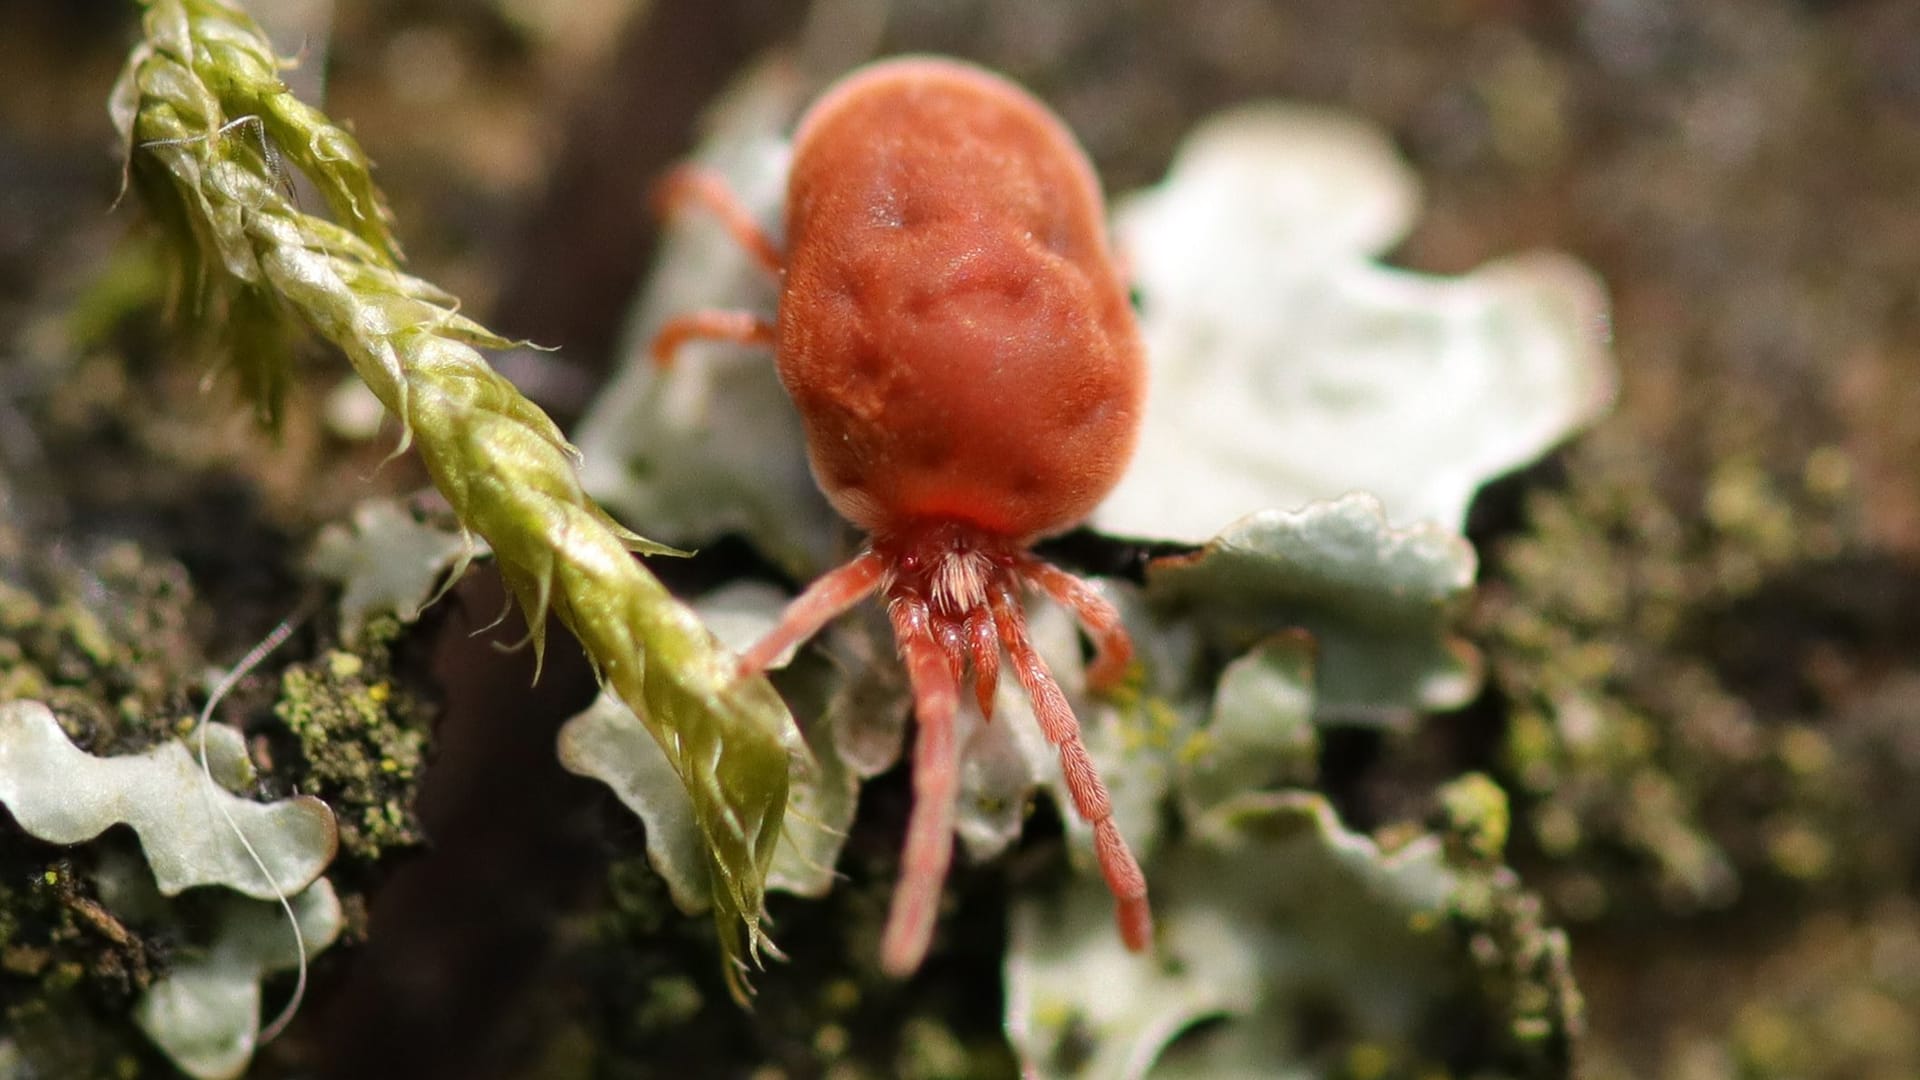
<point>936,790</point>
<point>827,598</point>
<point>983,642</point>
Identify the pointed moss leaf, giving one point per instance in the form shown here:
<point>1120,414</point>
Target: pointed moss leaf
<point>203,107</point>
<point>1260,729</point>
<point>64,795</point>
<point>608,743</point>
<point>711,444</point>
<point>1289,367</point>
<point>1377,600</point>
<point>1269,912</point>
<point>502,464</point>
<point>205,1013</point>
<point>826,783</point>
<point>728,738</point>
<point>386,561</point>
<point>819,812</point>
<point>217,66</point>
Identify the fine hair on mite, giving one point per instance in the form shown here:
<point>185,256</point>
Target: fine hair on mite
<point>955,332</point>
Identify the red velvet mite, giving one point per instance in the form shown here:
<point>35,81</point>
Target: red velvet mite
<point>957,338</point>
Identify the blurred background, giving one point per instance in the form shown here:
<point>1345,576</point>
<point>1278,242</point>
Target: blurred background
<point>1730,562</point>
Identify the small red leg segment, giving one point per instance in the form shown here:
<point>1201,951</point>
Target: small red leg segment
<point>1089,793</point>
<point>694,185</point>
<point>740,327</point>
<point>1113,649</point>
<point>827,598</point>
<point>936,787</point>
<point>983,647</point>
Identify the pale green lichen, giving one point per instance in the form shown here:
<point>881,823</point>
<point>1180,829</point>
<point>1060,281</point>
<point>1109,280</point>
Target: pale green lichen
<point>254,261</point>
<point>386,561</point>
<point>63,795</point>
<point>1270,917</point>
<point>606,742</point>
<point>1289,946</point>
<point>108,635</point>
<point>1289,367</point>
<point>200,1006</point>
<point>1259,731</point>
<point>205,1013</point>
<point>1379,601</point>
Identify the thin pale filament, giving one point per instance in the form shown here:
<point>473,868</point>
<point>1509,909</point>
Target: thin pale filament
<point>239,671</point>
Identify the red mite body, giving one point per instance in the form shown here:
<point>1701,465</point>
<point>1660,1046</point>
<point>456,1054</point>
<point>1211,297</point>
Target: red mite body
<point>952,327</point>
<point>959,343</point>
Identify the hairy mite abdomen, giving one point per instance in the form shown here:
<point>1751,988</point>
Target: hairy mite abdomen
<point>951,326</point>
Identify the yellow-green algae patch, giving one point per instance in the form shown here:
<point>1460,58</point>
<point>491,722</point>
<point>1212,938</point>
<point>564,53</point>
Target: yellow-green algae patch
<point>363,736</point>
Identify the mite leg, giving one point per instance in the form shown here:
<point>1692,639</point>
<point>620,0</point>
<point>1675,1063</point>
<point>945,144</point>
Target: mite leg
<point>827,598</point>
<point>983,642</point>
<point>740,327</point>
<point>1113,649</point>
<point>1090,798</point>
<point>692,184</point>
<point>936,788</point>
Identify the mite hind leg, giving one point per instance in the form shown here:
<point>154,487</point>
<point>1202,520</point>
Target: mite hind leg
<point>1112,647</point>
<point>694,185</point>
<point>739,327</point>
<point>1089,792</point>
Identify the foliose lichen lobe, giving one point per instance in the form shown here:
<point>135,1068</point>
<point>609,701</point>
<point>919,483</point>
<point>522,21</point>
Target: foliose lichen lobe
<point>108,635</point>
